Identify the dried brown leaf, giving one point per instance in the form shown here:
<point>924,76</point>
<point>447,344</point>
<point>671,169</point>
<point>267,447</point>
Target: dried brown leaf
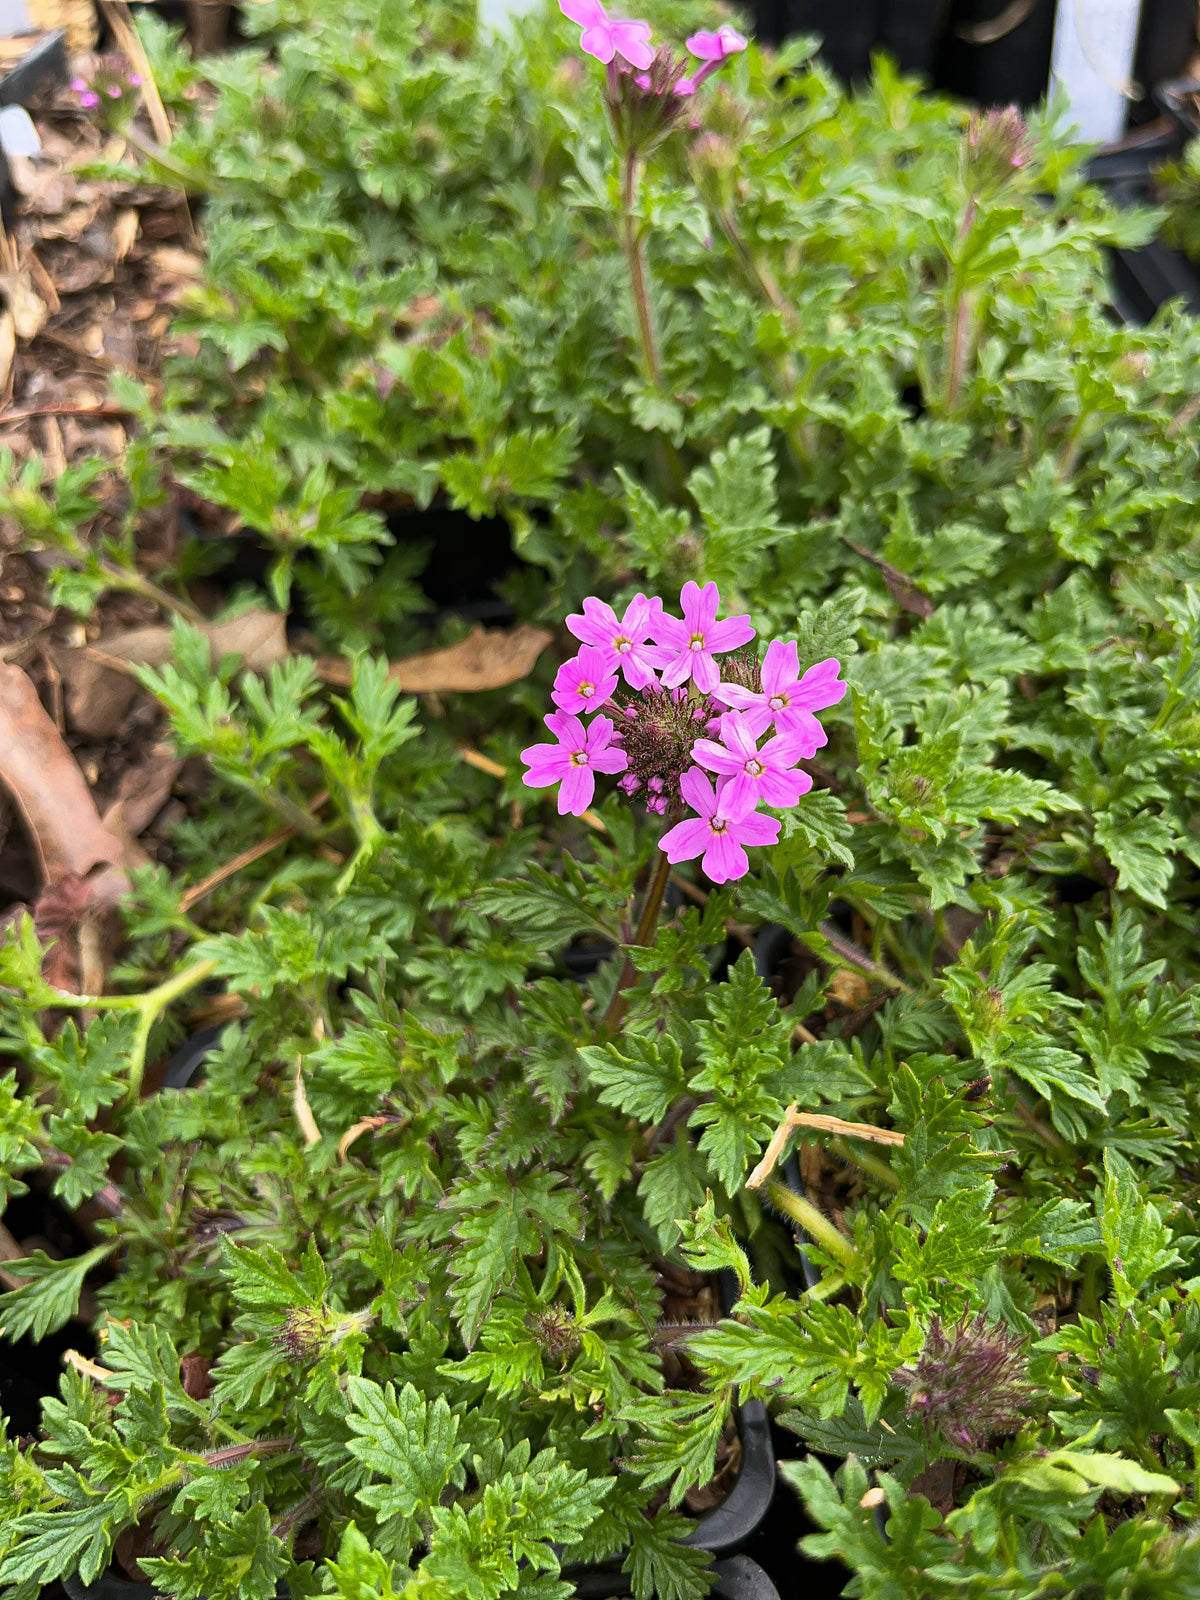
<point>40,773</point>
<point>488,658</point>
<point>259,637</point>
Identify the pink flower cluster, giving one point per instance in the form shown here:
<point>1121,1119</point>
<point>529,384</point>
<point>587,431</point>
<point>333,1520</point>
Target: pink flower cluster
<point>684,716</point>
<point>109,82</point>
<point>607,37</point>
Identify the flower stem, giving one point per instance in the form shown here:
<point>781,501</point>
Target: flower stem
<point>646,929</point>
<point>819,1229</point>
<point>958,323</point>
<point>635,257</point>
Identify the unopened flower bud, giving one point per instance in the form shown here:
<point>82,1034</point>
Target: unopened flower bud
<point>997,145</point>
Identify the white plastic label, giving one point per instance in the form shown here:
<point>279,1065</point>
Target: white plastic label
<point>18,136</point>
<point>1092,65</point>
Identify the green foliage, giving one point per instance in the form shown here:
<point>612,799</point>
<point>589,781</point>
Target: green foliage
<point>413,1212</point>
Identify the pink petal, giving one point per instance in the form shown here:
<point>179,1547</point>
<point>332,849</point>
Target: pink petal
<point>735,731</point>
<point>819,687</point>
<point>758,829</point>
<point>587,13</point>
<point>598,624</point>
<point>781,665</point>
<point>704,671</point>
<point>731,633</point>
<point>804,728</point>
<point>638,665</point>
<point>783,789</point>
<point>632,40</point>
<point>598,734</point>
<point>732,807</point>
<point>546,763</point>
<point>668,631</point>
<point>739,795</point>
<point>678,671</point>
<point>613,759</point>
<point>685,86</point>
<point>699,606</point>
<point>698,792</point>
<point>725,859</point>
<point>599,42</point>
<point>685,840</point>
<point>567,729</point>
<point>576,792</point>
<point>715,757</point>
<point>706,45</point>
<point>732,42</point>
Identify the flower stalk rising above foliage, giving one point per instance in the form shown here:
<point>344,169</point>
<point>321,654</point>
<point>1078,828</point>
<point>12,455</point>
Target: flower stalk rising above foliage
<point>674,723</point>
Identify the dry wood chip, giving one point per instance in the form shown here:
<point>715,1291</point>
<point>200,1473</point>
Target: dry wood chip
<point>29,311</point>
<point>124,232</point>
<point>8,346</point>
<point>178,263</point>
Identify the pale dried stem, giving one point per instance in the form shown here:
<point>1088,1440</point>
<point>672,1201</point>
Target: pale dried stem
<point>795,1118</point>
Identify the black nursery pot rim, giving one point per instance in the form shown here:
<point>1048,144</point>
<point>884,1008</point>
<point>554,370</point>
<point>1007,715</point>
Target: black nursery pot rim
<point>735,1578</point>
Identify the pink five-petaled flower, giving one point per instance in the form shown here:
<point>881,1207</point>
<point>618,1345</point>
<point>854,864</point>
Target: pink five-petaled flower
<point>786,698</point>
<point>605,37</point>
<point>623,639</point>
<point>768,774</point>
<point>708,46</point>
<point>586,681</point>
<point>720,832</point>
<point>574,761</point>
<point>695,640</point>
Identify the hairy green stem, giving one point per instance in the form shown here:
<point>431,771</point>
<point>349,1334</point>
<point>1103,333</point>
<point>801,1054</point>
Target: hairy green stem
<point>958,322</point>
<point>818,1227</point>
<point>879,1170</point>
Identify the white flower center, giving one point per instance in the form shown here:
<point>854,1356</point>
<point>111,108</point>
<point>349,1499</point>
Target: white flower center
<point>587,690</point>
<point>622,645</point>
<point>718,824</point>
<point>755,768</point>
<point>697,642</point>
<point>579,758</point>
<point>777,702</point>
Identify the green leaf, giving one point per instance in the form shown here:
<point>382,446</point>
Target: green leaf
<point>50,1296</point>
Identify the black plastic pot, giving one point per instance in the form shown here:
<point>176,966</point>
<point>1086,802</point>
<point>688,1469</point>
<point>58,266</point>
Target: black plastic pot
<point>1180,99</point>
<point>907,30</point>
<point>996,52</point>
<point>1154,274</point>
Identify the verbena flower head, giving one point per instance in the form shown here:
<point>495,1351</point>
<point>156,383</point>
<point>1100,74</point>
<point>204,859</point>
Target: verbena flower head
<point>672,719</point>
<point>605,37</point>
<point>969,1382</point>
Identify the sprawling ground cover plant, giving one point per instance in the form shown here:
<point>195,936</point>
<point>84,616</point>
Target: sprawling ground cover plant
<point>849,360</point>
